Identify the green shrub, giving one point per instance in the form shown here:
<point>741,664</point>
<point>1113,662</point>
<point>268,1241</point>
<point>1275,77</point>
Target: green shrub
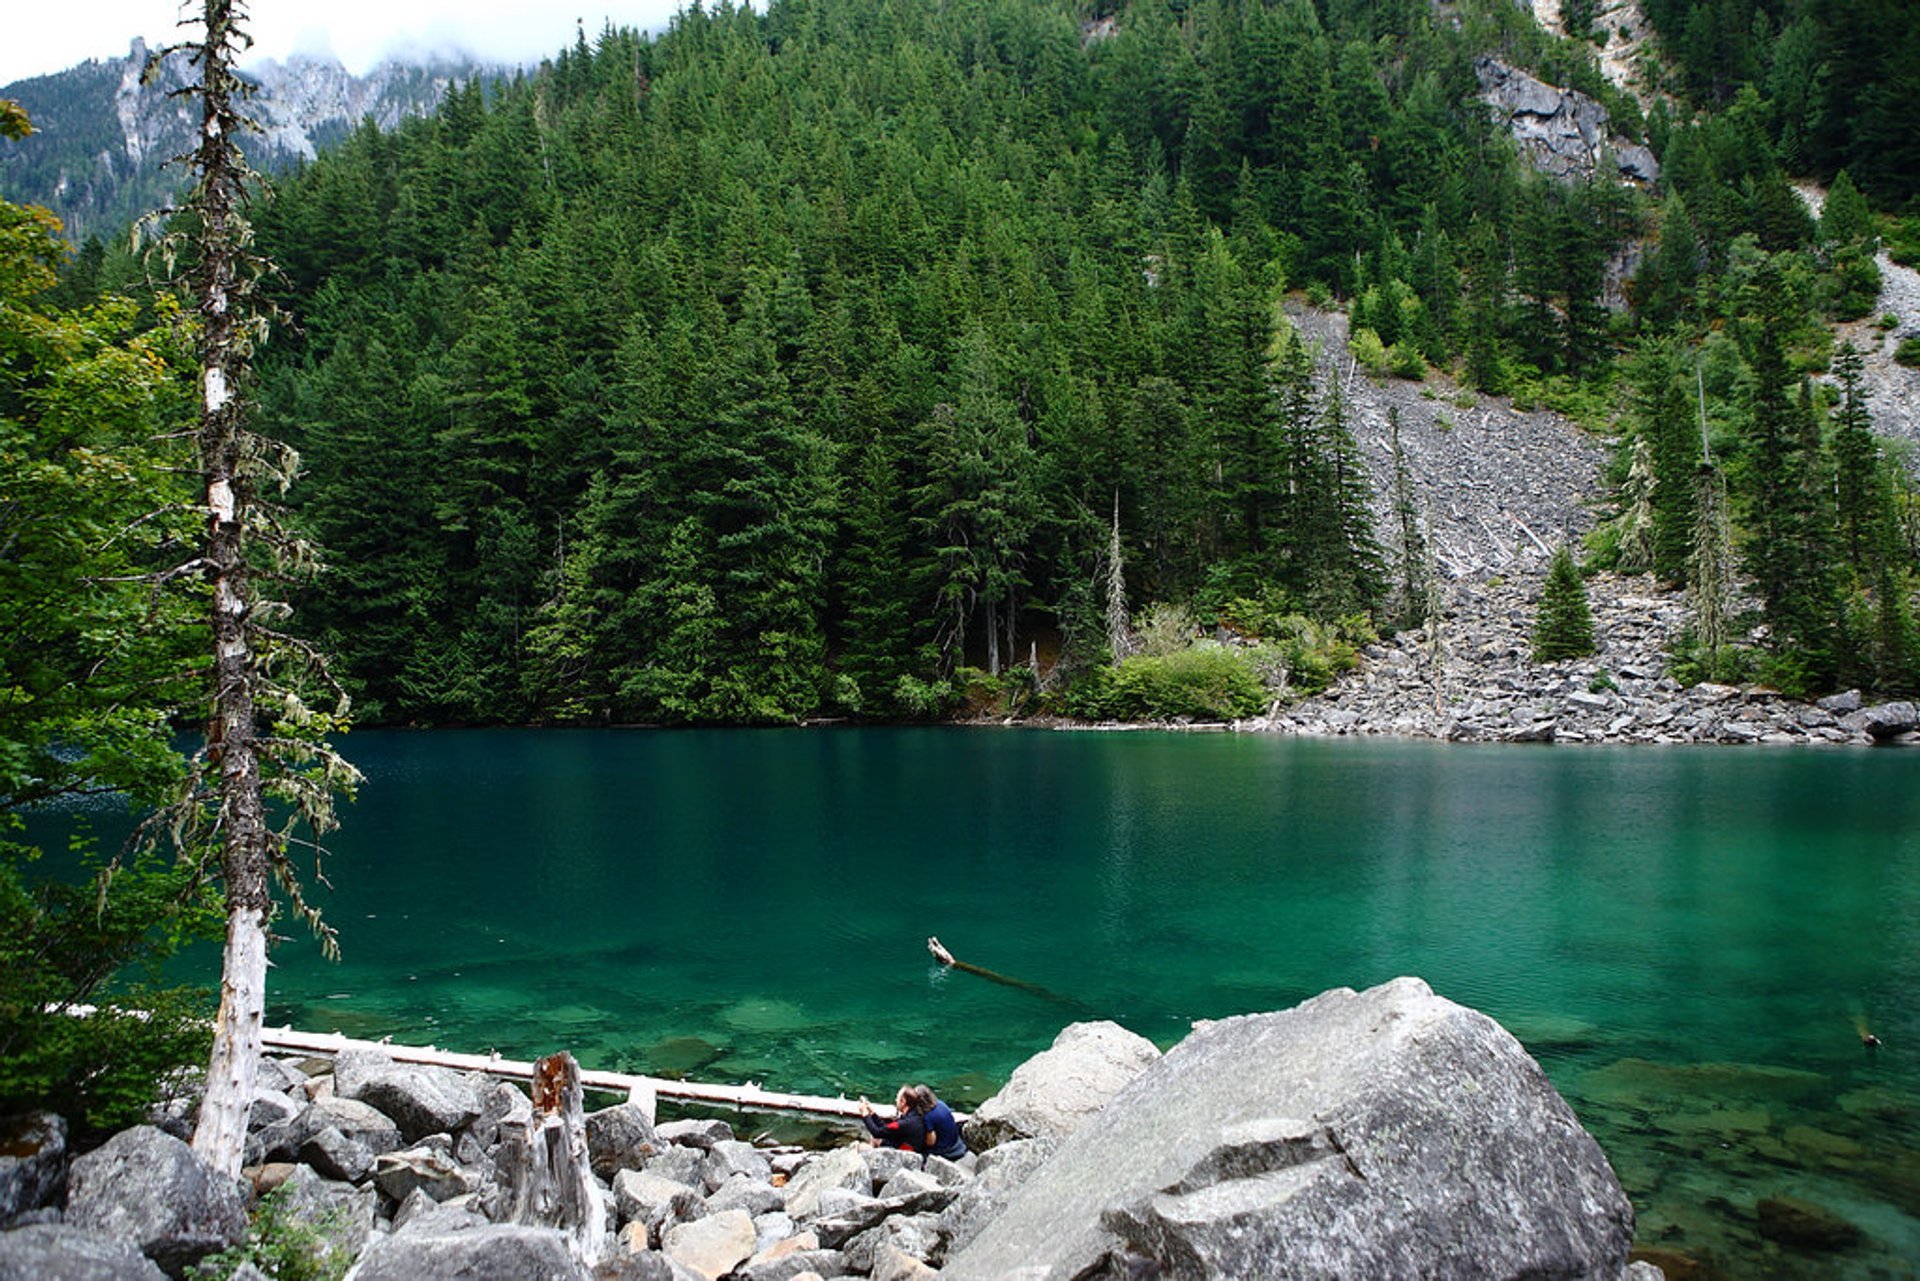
<point>1406,361</point>
<point>1369,351</point>
<point>1208,682</point>
<point>284,1247</point>
<point>1908,352</point>
<point>1690,665</point>
<point>100,942</point>
<point>1165,628</point>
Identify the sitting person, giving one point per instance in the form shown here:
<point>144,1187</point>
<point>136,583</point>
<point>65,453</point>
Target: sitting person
<point>942,1130</point>
<point>907,1129</point>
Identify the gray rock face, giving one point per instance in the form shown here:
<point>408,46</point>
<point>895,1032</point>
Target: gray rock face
<point>999,1176</point>
<point>843,1169</point>
<point>498,1252</point>
<point>427,1168</point>
<point>33,1164</point>
<point>1053,1093</point>
<point>654,1202</point>
<point>1563,131</point>
<point>59,1252</point>
<point>729,1158</point>
<point>1386,1133</point>
<point>148,1187</point>
<point>1884,722</point>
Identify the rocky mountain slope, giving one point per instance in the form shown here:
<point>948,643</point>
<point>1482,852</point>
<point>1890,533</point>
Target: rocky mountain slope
<point>102,135</point>
<point>1497,489</point>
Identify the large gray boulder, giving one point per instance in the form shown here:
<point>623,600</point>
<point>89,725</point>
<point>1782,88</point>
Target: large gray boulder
<point>420,1100</point>
<point>61,1252</point>
<point>1053,1093</point>
<point>1884,722</point>
<point>33,1163</point>
<point>1385,1133</point>
<point>147,1187</point>
<point>497,1252</point>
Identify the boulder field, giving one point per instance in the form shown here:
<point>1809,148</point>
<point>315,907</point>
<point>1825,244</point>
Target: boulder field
<point>1389,1132</point>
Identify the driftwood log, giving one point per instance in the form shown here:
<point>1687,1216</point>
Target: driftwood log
<point>544,1166</point>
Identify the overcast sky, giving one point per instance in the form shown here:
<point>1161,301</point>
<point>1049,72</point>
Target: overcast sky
<point>47,35</point>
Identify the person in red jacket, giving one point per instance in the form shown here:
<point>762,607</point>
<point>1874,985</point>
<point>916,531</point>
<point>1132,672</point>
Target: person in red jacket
<point>907,1128</point>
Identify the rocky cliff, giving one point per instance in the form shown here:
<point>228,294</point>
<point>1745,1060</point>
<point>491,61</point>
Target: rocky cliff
<point>104,130</point>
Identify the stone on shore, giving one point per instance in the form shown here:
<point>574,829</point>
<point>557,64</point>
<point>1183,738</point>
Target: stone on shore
<point>1053,1093</point>
<point>62,1252</point>
<point>147,1187</point>
<point>619,1138</point>
<point>713,1246</point>
<point>419,1100</point>
<point>33,1164</point>
<point>496,1252</point>
<point>1384,1133</point>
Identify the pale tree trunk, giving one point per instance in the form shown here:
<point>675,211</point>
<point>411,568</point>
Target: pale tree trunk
<point>1116,590</point>
<point>232,749</point>
<point>547,1173</point>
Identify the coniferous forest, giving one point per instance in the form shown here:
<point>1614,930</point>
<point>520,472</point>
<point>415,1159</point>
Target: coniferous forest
<point>851,358</point>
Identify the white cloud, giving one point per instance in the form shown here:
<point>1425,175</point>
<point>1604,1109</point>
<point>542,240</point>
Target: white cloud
<point>44,37</point>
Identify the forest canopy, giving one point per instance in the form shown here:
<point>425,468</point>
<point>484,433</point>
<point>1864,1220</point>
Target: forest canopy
<point>808,361</point>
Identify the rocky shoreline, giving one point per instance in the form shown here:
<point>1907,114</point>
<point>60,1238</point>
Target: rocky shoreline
<point>1476,681</point>
<point>1385,1132</point>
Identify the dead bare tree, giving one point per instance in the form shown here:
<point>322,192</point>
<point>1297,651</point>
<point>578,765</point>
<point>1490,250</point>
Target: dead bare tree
<point>266,767</point>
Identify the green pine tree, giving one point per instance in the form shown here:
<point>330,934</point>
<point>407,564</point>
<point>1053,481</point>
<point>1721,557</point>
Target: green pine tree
<point>1564,626</point>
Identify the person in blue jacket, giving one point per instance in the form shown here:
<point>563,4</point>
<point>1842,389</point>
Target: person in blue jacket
<point>943,1131</point>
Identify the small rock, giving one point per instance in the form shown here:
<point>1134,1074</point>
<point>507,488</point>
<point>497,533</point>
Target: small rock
<point>33,1164</point>
<point>695,1134</point>
<point>621,1137</point>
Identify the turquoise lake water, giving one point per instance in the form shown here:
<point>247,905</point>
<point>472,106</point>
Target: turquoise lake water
<point>1689,940</point>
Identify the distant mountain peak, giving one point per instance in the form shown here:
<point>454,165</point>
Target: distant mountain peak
<point>103,134</point>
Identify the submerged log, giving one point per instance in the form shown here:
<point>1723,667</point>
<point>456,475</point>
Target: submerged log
<point>946,958</point>
<point>544,1167</point>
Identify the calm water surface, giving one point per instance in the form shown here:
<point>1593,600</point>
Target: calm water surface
<point>1689,940</point>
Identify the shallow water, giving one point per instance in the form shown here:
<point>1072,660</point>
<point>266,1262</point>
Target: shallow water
<point>1688,939</point>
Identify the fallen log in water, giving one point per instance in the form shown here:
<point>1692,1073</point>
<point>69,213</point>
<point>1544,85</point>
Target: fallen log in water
<point>946,958</point>
<point>748,1097</point>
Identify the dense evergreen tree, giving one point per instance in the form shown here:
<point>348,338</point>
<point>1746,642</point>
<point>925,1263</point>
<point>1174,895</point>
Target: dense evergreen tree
<point>1564,626</point>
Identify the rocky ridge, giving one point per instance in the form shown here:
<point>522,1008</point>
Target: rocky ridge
<point>103,129</point>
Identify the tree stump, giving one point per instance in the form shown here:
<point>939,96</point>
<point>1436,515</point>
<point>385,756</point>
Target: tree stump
<point>544,1166</point>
